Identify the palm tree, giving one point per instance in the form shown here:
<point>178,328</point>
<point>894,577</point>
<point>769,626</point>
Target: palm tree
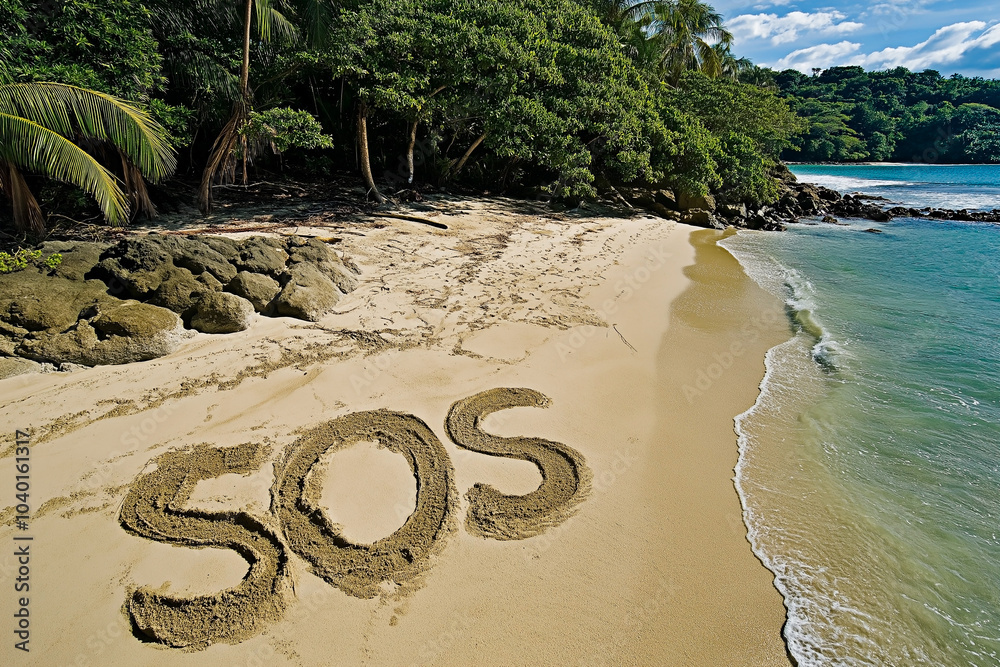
<point>691,36</point>
<point>221,164</point>
<point>42,129</point>
<point>668,37</point>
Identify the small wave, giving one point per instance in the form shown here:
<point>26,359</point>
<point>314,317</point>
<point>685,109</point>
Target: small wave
<point>800,304</point>
<point>849,183</point>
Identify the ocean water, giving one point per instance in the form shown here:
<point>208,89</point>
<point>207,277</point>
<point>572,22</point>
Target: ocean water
<point>870,465</point>
<point>970,186</point>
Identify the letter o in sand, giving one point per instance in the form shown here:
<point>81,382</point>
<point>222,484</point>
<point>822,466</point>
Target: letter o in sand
<point>359,569</point>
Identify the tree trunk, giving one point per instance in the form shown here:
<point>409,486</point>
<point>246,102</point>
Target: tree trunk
<point>468,154</point>
<point>245,67</point>
<point>27,213</point>
<point>220,159</point>
<point>366,166</point>
<point>409,150</point>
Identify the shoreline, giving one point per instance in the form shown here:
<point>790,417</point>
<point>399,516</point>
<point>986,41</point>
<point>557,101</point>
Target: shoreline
<point>590,312</point>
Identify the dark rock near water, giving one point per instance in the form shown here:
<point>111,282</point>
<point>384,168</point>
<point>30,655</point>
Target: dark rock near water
<point>702,218</point>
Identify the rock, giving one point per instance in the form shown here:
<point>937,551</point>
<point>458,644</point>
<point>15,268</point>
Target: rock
<point>664,212</point>
<point>872,230</point>
<point>730,211</point>
<point>13,366</point>
<point>228,248</point>
<point>687,202</point>
<point>259,255</point>
<point>258,289</point>
<point>307,294</point>
<point>210,282</point>
<point>327,261</point>
<point>178,291</point>
<point>78,258</point>
<point>666,198</point>
<point>701,218</point>
<point>70,368</point>
<point>36,302</point>
<point>222,312</point>
<point>140,320</point>
<point>198,257</point>
<point>137,263</point>
<point>132,332</point>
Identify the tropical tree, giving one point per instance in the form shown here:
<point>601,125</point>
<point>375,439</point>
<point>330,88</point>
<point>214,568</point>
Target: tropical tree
<point>689,35</point>
<point>45,128</point>
<point>221,163</point>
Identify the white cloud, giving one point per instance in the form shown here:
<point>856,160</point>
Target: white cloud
<point>948,45</point>
<point>784,29</point>
<point>821,55</point>
<point>945,46</point>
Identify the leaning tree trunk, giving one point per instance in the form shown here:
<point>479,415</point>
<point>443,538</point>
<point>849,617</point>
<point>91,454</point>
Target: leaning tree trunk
<point>220,161</point>
<point>366,165</point>
<point>468,154</point>
<point>27,213</point>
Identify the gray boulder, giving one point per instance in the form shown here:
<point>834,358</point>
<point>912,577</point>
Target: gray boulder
<point>221,312</point>
<point>198,257</point>
<point>13,366</point>
<point>261,255</point>
<point>688,202</point>
<point>124,334</point>
<point>226,247</point>
<point>256,288</point>
<point>308,294</point>
<point>139,263</point>
<point>178,290</point>
<point>36,302</point>
<point>78,258</point>
<point>702,218</point>
<point>327,261</point>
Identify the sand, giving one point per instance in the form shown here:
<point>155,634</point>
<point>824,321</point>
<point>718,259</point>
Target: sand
<point>549,409</point>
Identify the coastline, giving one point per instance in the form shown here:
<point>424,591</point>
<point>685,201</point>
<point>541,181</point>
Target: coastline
<point>610,319</point>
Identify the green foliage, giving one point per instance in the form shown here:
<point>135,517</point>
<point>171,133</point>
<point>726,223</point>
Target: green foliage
<point>285,128</point>
<point>894,115</point>
<point>22,258</point>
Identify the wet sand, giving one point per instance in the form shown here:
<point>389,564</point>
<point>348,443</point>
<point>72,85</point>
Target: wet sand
<point>604,525</point>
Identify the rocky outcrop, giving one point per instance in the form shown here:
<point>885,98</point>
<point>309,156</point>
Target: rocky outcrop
<point>130,301</point>
<point>795,201</point>
<point>127,333</point>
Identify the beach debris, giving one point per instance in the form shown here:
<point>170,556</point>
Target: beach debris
<point>565,475</point>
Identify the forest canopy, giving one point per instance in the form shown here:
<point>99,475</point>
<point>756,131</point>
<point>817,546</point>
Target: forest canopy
<point>550,98</point>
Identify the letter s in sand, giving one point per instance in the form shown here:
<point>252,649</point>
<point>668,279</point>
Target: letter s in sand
<point>565,475</point>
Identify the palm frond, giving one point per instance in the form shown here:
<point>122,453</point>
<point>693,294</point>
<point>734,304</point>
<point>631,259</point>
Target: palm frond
<point>71,112</point>
<point>36,148</point>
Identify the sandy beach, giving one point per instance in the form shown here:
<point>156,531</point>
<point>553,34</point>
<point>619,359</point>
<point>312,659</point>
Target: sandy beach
<point>632,342</point>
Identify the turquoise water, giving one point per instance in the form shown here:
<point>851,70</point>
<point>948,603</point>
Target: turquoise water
<point>870,466</point>
<point>971,186</point>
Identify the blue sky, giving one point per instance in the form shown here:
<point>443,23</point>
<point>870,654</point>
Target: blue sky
<point>950,36</point>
